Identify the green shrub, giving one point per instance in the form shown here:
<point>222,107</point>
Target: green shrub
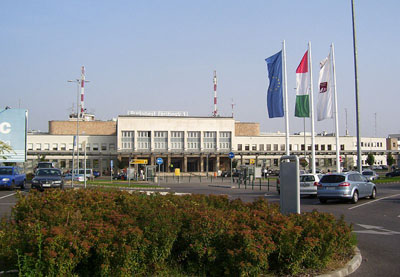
<point>113,233</point>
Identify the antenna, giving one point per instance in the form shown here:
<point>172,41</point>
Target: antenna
<point>347,130</point>
<point>233,105</point>
<point>215,113</point>
<point>83,92</point>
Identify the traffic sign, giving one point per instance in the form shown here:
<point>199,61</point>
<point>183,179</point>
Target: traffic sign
<point>111,163</point>
<point>252,161</point>
<point>231,155</point>
<point>159,161</point>
<point>137,161</point>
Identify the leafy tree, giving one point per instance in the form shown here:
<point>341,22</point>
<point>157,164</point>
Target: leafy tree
<point>390,160</point>
<point>370,159</point>
<point>234,163</point>
<point>303,162</point>
<point>4,148</point>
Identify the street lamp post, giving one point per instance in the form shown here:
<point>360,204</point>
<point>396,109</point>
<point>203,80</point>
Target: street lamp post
<point>78,82</point>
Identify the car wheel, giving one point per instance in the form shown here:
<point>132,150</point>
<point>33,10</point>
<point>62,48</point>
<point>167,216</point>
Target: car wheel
<point>23,184</point>
<point>354,199</point>
<point>373,194</point>
<point>323,201</point>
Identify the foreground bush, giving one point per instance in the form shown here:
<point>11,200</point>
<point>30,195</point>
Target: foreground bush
<point>112,233</point>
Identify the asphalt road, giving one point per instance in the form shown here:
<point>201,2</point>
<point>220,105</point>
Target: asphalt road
<point>376,222</point>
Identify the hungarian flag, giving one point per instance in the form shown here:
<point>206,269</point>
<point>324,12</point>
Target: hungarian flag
<point>302,88</point>
<point>325,99</point>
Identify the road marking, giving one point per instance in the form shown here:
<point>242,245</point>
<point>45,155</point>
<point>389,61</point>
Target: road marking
<point>373,201</point>
<point>375,230</point>
<point>8,195</point>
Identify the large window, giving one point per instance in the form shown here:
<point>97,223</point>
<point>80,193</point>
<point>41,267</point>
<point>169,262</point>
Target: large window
<point>144,139</point>
<point>210,140</point>
<point>127,140</point>
<point>239,147</point>
<point>160,140</point>
<point>177,140</point>
<point>193,140</point>
<point>225,140</point>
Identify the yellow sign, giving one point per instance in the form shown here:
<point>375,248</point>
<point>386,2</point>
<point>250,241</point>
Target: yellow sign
<point>177,172</point>
<point>136,161</point>
<point>252,161</point>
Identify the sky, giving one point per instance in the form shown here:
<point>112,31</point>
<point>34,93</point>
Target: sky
<point>160,55</point>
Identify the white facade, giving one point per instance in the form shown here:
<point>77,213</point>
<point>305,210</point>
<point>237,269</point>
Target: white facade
<point>195,144</point>
<point>59,149</point>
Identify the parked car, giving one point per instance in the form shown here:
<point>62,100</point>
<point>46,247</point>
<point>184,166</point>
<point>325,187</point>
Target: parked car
<point>235,173</point>
<point>309,183</point>
<point>393,173</point>
<point>347,186</point>
<point>44,165</point>
<point>89,172</point>
<point>48,178</point>
<point>96,174</point>
<point>370,175</point>
<point>77,178</point>
<point>12,177</point>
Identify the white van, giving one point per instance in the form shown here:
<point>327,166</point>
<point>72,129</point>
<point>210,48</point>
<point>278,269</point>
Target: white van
<point>89,172</point>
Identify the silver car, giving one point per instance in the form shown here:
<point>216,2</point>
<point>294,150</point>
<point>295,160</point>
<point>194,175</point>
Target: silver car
<point>370,175</point>
<point>309,183</point>
<point>348,186</point>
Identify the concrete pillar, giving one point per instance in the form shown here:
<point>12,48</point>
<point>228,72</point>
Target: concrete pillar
<point>201,163</point>
<point>168,163</point>
<point>152,159</point>
<point>217,162</point>
<point>151,141</point>
<point>184,163</point>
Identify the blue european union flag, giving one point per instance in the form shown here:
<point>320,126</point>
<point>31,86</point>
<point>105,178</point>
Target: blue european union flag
<point>275,92</point>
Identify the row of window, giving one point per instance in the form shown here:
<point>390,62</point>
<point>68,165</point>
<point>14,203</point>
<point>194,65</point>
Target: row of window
<point>63,146</point>
<point>175,134</point>
<point>371,144</point>
<point>282,147</point>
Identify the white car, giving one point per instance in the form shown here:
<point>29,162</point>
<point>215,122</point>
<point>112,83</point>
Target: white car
<point>309,183</point>
<point>370,175</point>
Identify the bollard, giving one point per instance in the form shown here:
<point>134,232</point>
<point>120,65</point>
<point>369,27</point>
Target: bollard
<point>260,183</point>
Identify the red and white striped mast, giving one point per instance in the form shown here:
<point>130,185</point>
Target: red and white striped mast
<point>82,92</point>
<point>215,113</point>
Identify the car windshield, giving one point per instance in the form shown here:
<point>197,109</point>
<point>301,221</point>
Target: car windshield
<point>5,171</point>
<point>332,178</point>
<point>307,178</point>
<point>48,172</point>
<point>44,165</point>
<point>369,173</point>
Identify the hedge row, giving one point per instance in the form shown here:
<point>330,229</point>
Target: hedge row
<point>112,233</point>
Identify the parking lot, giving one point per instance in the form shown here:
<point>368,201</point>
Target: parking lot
<point>375,222</point>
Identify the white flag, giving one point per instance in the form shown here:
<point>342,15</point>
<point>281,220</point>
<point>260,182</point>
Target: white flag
<point>325,95</point>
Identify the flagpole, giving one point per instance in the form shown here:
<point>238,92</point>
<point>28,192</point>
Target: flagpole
<point>359,158</point>
<point>312,111</point>
<point>336,109</point>
<point>286,97</point>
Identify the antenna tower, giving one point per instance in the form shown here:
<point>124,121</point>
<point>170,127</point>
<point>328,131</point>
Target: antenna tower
<point>215,113</point>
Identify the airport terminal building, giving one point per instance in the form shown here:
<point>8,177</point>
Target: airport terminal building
<point>192,144</point>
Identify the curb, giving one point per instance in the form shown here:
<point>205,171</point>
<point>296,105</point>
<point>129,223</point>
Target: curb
<point>349,268</point>
<point>222,186</point>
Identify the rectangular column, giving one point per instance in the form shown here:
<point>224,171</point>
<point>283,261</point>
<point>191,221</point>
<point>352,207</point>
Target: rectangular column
<point>184,163</point>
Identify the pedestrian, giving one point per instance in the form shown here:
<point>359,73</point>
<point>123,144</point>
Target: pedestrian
<point>142,174</point>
